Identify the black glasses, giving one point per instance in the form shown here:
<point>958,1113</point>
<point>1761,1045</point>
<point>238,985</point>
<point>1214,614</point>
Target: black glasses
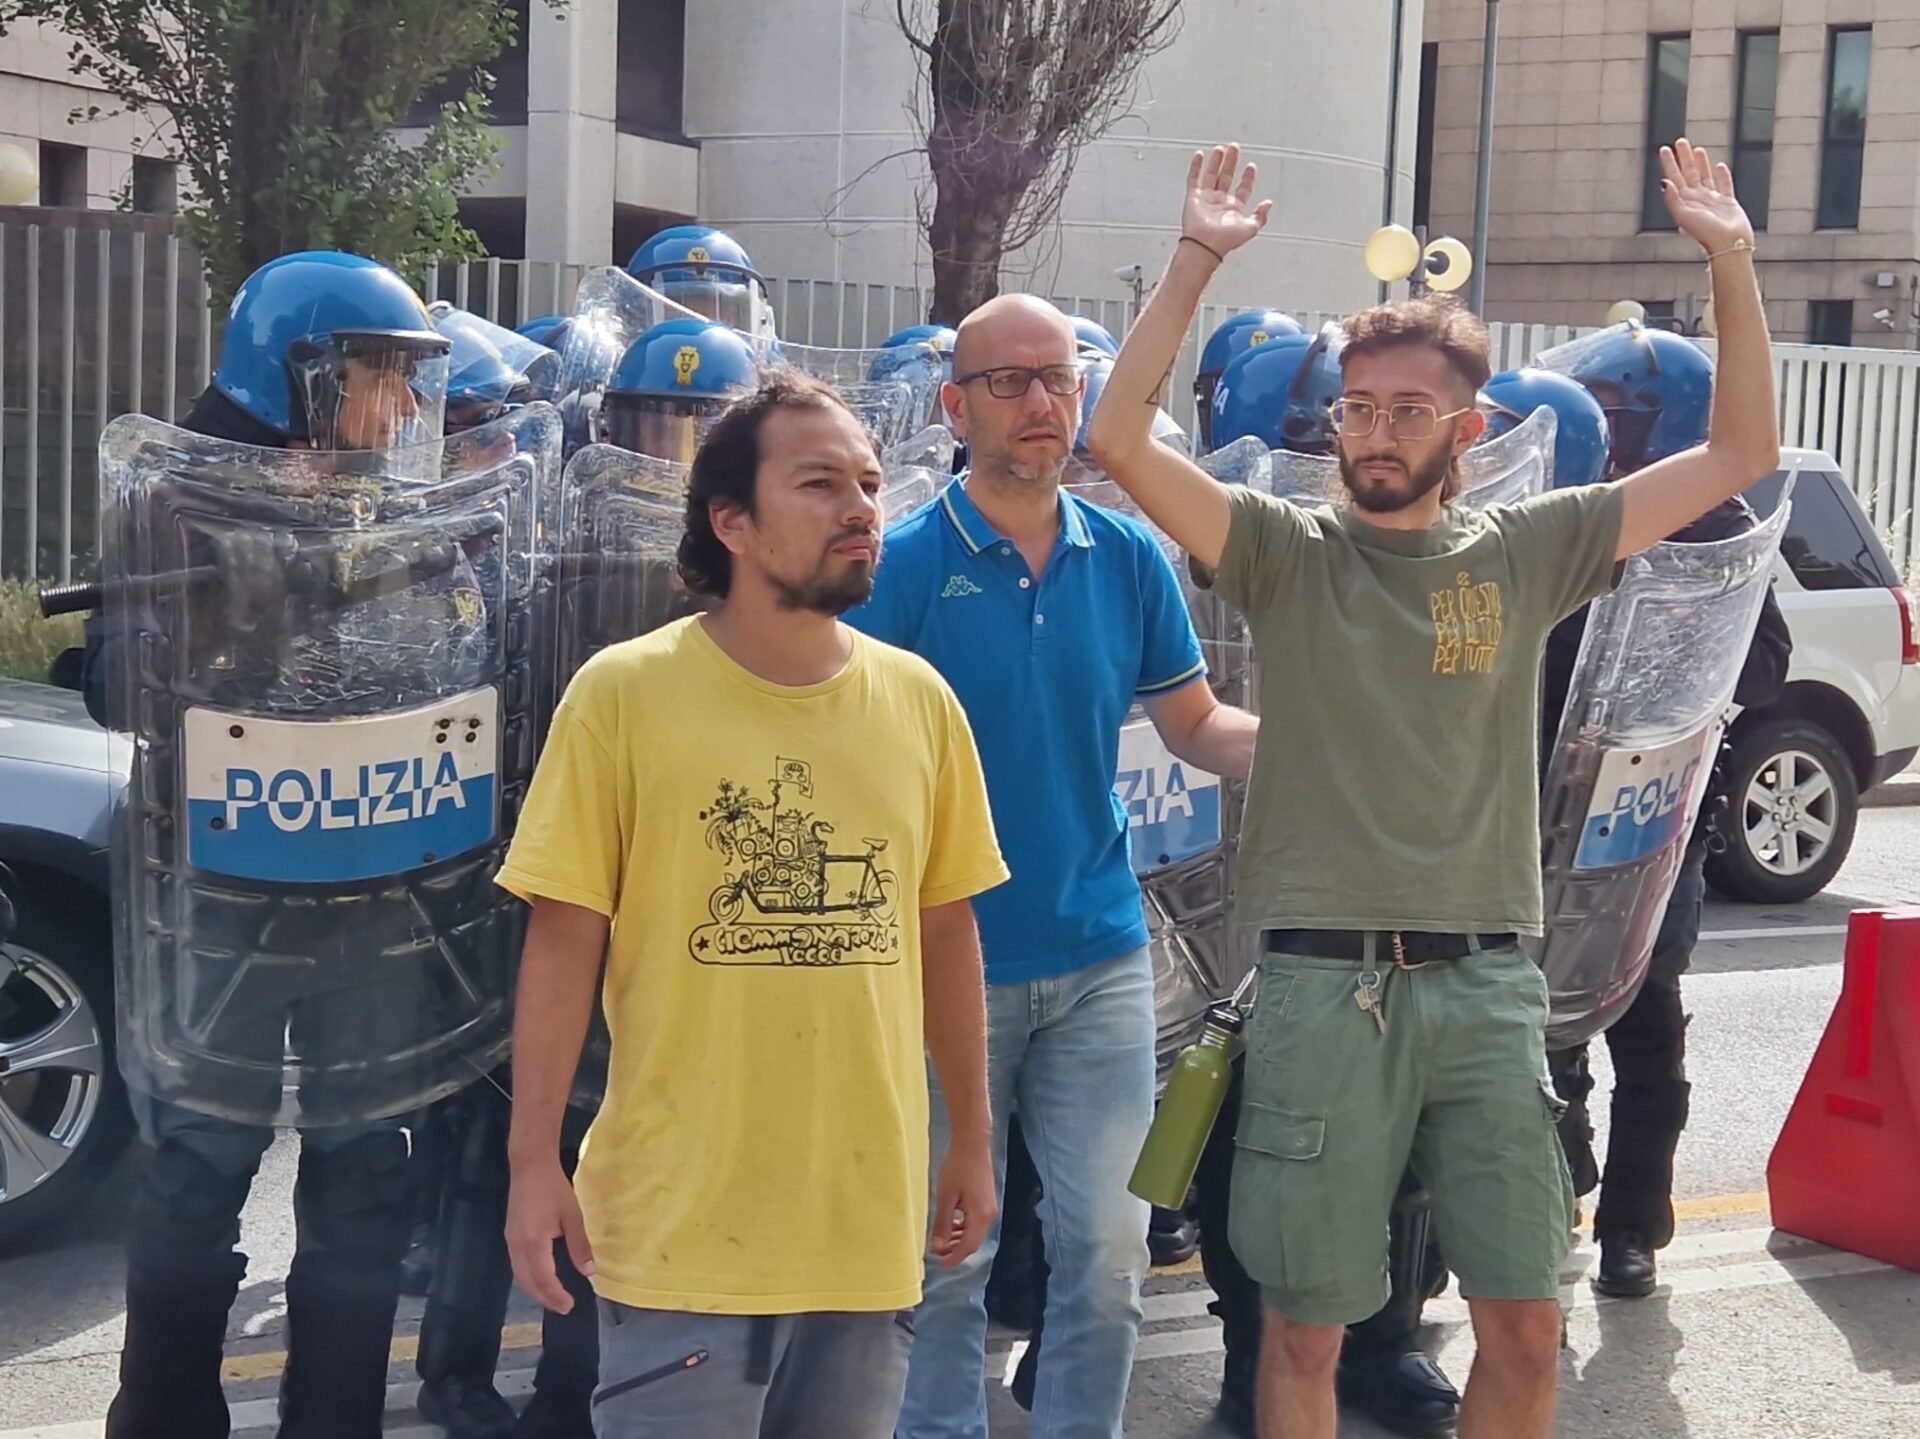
<point>1010,382</point>
<point>1410,421</point>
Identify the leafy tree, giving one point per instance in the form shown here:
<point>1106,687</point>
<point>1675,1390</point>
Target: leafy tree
<point>283,113</point>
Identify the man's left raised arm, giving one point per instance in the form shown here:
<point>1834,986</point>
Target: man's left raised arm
<point>1743,439</point>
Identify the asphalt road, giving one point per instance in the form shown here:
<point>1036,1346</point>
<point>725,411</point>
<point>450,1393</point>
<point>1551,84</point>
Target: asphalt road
<point>1754,1333</point>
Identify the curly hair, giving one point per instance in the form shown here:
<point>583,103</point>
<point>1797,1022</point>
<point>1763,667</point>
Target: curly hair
<point>1456,332</point>
<point>726,469</point>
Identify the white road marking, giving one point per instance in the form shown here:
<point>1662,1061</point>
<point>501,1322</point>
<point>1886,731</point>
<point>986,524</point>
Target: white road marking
<point>1730,936</point>
<point>1699,1264</point>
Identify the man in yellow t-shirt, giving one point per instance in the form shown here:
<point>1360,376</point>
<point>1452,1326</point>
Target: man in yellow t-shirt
<point>771,826</point>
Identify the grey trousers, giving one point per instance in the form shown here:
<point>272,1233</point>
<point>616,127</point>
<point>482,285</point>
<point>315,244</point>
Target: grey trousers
<point>670,1375</point>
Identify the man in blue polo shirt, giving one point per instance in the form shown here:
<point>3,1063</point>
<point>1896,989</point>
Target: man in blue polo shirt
<point>1050,617</point>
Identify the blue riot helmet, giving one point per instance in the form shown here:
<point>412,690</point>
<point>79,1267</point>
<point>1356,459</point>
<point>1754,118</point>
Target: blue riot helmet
<point>1655,387</point>
<point>705,270</point>
<point>1093,337</point>
<point>905,353</point>
<point>490,367</point>
<point>671,385</point>
<point>337,351</point>
<point>1581,442</point>
<point>548,330</point>
<point>1282,392</point>
<point>920,357</point>
<point>1230,339</point>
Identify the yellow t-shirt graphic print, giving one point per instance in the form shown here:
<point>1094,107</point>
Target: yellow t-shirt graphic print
<point>764,853</point>
<point>788,897</point>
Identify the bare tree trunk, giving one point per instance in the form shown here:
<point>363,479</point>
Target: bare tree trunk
<point>965,237</point>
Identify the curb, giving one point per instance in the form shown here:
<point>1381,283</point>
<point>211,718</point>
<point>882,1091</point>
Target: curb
<point>1902,790</point>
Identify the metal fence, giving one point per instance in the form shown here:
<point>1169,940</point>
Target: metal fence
<point>103,314</point>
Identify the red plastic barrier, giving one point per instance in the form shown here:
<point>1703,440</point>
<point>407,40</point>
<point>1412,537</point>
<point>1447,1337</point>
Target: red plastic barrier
<point>1846,1168</point>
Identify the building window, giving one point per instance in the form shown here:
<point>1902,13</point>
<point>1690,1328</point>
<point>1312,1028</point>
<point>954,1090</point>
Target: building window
<point>652,50</point>
<point>1423,142</point>
<point>1830,322</point>
<point>63,175</point>
<point>156,187</point>
<point>1753,122</point>
<point>1843,137</point>
<point>1668,57</point>
<point>508,103</point>
<point>1660,315</point>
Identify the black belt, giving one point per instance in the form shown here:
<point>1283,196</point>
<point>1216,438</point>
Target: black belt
<point>1410,949</point>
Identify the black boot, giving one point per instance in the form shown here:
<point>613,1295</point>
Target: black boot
<point>1628,1269</point>
<point>1172,1237</point>
<point>1406,1393</point>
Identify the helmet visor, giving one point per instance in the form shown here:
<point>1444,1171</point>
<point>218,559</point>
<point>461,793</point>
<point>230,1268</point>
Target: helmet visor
<point>372,391</point>
<point>730,296</point>
<point>667,429</point>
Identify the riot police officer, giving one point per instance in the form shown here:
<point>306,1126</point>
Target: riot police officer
<point>1231,339</point>
<point>321,351</point>
<point>1655,390</point>
<point>707,271</point>
<point>1281,392</point>
<point>672,384</point>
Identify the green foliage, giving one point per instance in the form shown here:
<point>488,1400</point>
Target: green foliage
<point>284,116</point>
<point>28,643</point>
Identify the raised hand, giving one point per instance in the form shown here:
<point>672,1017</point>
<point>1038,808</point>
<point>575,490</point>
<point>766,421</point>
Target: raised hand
<point>1220,213</point>
<point>1700,198</point>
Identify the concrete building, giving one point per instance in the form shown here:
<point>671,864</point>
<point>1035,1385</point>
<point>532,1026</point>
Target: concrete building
<point>1815,103</point>
<point>787,123</point>
<point>92,163</point>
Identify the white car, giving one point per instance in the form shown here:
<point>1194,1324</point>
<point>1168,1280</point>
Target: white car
<point>1849,718</point>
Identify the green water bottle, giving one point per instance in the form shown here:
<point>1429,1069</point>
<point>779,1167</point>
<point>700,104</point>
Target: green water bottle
<point>1164,1171</point>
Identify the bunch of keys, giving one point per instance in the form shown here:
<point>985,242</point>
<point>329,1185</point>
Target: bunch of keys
<point>1367,996</point>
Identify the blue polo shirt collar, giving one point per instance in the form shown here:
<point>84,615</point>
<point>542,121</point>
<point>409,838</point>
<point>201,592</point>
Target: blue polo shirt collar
<point>977,535</point>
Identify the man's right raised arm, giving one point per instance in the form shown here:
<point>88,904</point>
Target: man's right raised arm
<point>1176,494</point>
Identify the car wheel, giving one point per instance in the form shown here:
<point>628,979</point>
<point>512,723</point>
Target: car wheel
<point>1792,803</point>
<point>63,1108</point>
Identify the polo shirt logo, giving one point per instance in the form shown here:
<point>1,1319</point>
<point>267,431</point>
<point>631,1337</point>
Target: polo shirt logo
<point>959,587</point>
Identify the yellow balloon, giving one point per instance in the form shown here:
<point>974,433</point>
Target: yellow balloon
<point>19,176</point>
<point>1393,253</point>
<point>1622,311</point>
<point>1449,265</point>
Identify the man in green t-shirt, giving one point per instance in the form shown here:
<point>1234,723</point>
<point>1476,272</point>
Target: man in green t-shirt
<point>1391,843</point>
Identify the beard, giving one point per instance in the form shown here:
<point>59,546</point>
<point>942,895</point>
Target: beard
<point>825,593</point>
<point>1390,495</point>
<point>1001,463</point>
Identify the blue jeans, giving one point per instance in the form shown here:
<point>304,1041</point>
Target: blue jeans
<point>1075,1056</point>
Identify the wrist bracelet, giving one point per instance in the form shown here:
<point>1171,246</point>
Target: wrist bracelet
<point>1189,240</point>
<point>1739,247</point>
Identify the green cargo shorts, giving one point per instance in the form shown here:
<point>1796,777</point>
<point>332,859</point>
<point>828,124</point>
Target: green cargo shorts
<point>1335,1110</point>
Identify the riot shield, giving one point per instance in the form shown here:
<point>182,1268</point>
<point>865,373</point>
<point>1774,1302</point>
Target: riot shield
<point>1517,465</point>
<point>1645,712</point>
<point>1183,823</point>
<point>610,312</point>
<point>894,407</point>
<point>916,469</point>
<point>330,684</point>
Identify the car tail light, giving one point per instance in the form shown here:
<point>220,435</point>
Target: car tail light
<point>1909,626</point>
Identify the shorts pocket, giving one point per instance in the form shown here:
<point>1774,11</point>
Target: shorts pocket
<point>1276,1154</point>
